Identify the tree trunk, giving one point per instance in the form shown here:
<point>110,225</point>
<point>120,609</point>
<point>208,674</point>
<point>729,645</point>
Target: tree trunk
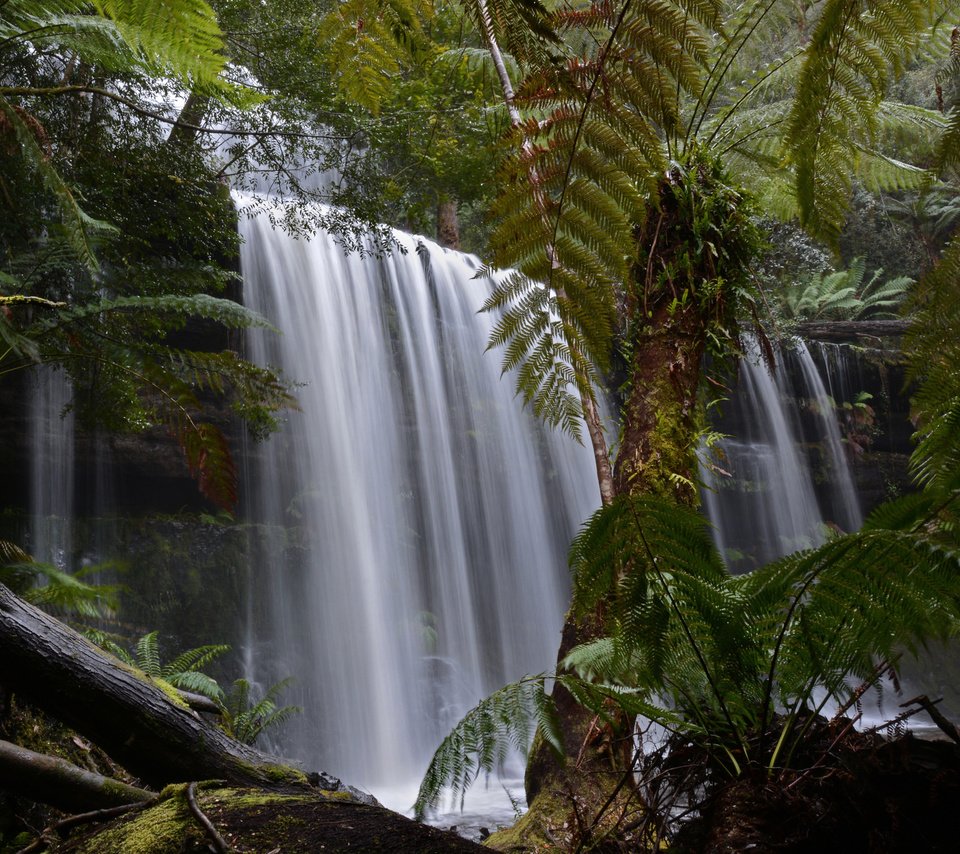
<point>448,223</point>
<point>680,295</point>
<point>188,125</point>
<point>155,736</point>
<point>61,784</point>
<point>592,792</point>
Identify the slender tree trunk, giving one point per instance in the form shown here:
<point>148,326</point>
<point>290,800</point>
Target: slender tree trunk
<point>184,131</point>
<point>591,414</point>
<point>448,223</point>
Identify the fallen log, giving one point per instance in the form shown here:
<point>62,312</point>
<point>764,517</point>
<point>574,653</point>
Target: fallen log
<point>152,733</point>
<point>61,784</point>
<point>851,330</point>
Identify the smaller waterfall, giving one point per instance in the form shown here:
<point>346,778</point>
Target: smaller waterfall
<point>51,467</point>
<point>782,474</point>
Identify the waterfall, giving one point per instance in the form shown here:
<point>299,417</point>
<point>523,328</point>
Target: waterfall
<point>51,444</point>
<point>418,518</point>
<point>781,475</point>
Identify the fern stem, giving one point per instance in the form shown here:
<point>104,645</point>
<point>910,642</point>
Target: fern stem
<point>750,90</point>
<point>509,96</point>
<point>734,730</point>
<point>591,415</point>
<point>703,104</point>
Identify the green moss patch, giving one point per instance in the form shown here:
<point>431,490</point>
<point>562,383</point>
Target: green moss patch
<point>253,822</point>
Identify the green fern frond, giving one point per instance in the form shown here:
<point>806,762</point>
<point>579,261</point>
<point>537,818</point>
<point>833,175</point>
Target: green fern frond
<point>230,314</point>
<point>181,37</point>
<point>195,683</point>
<point>148,655</point>
<point>365,45</point>
<point>76,223</point>
<point>193,660</point>
<point>856,48</point>
<point>933,345</point>
<point>523,27</point>
<point>59,592</point>
<point>245,721</point>
<point>483,739</point>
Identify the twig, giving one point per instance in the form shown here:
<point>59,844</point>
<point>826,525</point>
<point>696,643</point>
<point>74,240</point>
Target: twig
<point>42,840</point>
<point>930,707</point>
<point>585,838</point>
<point>99,815</point>
<point>215,838</point>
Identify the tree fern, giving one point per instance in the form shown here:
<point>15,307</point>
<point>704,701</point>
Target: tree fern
<point>720,658</point>
<point>655,83</point>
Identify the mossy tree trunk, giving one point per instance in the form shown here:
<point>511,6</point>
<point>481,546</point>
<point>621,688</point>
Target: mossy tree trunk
<point>59,783</point>
<point>684,295</point>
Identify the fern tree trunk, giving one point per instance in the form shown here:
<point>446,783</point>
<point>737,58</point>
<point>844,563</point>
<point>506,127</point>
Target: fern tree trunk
<point>683,295</point>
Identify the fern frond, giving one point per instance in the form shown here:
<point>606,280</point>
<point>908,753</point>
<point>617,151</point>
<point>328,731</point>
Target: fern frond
<point>933,345</point>
<point>245,721</point>
<point>173,38</point>
<point>77,225</point>
<point>856,48</point>
<point>230,314</point>
<point>483,739</point>
<point>193,660</point>
<point>148,655</point>
<point>59,592</point>
<point>365,45</point>
<point>858,600</point>
<point>196,683</point>
<point>179,37</point>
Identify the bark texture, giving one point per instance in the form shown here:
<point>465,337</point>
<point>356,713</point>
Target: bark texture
<point>850,330</point>
<point>156,737</point>
<point>61,784</point>
<point>448,224</point>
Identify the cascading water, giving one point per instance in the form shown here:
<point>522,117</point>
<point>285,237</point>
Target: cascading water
<point>782,473</point>
<point>51,467</point>
<point>422,515</point>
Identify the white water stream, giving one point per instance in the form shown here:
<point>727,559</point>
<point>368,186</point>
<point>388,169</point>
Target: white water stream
<point>782,474</point>
<point>432,514</point>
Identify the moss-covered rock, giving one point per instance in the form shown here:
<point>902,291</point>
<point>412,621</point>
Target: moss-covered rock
<point>249,820</point>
